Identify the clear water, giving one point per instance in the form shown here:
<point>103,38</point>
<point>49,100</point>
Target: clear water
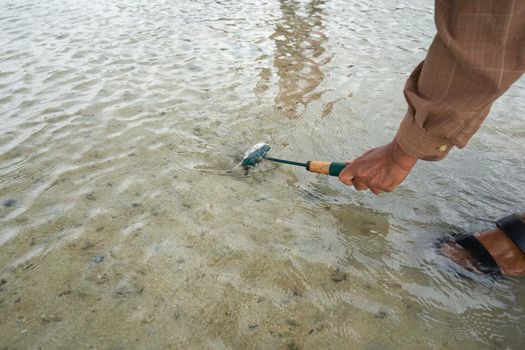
<point>125,223</point>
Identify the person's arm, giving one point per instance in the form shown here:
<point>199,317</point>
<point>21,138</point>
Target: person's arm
<point>478,52</point>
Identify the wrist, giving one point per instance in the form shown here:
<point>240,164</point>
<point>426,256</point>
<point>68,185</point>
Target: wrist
<point>404,160</point>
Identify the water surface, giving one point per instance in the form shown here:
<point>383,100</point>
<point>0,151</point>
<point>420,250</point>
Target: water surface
<point>125,224</point>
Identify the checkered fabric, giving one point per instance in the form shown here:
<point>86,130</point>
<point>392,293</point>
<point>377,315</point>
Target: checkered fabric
<point>477,54</point>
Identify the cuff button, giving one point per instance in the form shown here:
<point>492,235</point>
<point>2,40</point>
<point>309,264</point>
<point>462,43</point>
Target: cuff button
<point>442,148</point>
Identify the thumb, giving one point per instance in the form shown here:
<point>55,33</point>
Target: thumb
<point>346,175</point>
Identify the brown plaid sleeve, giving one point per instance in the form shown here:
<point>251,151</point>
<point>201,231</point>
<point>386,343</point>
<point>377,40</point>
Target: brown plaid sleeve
<point>477,54</point>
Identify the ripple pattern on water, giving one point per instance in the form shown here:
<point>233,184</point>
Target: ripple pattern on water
<point>126,222</point>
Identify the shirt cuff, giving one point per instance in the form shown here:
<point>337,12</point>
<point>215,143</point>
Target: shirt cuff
<point>415,141</point>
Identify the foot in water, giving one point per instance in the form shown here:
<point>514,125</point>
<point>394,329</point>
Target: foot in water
<point>501,249</point>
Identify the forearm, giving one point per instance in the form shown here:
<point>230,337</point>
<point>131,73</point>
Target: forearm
<point>475,57</point>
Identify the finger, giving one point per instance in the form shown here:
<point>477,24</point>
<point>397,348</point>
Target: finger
<point>347,176</point>
<point>389,188</point>
<point>347,179</point>
<point>376,190</point>
<point>360,185</point>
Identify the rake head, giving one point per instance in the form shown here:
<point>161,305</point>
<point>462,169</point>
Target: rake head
<point>254,156</point>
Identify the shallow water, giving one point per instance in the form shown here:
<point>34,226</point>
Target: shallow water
<point>125,223</point>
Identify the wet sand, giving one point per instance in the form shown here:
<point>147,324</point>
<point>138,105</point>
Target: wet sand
<point>125,222</point>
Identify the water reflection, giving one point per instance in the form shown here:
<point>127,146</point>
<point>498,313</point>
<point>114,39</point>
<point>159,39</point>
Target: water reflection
<point>299,39</point>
